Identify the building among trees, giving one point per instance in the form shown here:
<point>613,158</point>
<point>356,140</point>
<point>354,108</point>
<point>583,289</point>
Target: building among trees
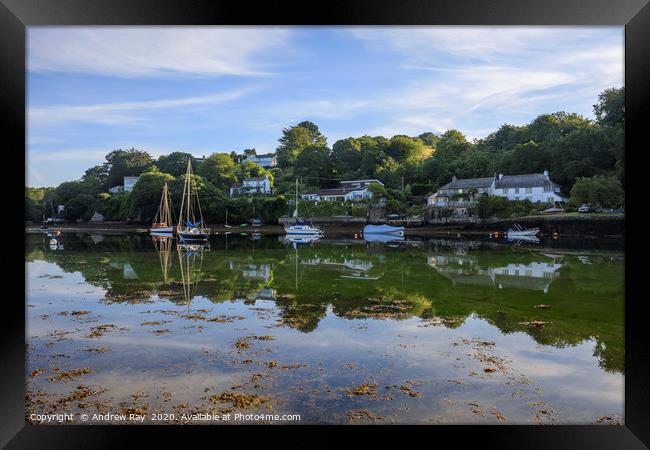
<point>255,185</point>
<point>534,187</point>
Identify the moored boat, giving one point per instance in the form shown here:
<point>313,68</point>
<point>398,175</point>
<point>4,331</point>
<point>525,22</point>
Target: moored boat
<point>517,230</point>
<point>383,229</point>
<point>189,229</point>
<point>300,228</point>
<point>162,222</point>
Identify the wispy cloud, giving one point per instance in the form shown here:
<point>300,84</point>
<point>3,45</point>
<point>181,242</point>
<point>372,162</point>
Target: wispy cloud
<point>125,112</point>
<point>157,51</point>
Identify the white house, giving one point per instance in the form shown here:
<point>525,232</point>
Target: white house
<point>338,194</point>
<point>266,160</point>
<point>256,185</point>
<point>535,187</point>
<point>129,182</point>
<point>116,189</point>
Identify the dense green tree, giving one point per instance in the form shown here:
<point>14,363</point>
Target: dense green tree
<point>314,165</point>
<point>403,148</point>
<point>99,171</point>
<point>144,199</point>
<point>250,169</point>
<point>219,169</point>
<point>610,109</point>
<point>599,190</point>
<point>430,139</point>
<point>125,163</point>
<point>294,139</point>
<point>346,158</point>
<point>175,163</point>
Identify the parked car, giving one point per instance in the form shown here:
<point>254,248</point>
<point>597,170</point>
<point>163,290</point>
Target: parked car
<point>584,208</point>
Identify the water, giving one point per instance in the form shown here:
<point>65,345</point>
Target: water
<point>336,331</point>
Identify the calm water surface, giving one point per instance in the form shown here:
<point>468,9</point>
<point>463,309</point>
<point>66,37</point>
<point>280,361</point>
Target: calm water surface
<point>337,331</point>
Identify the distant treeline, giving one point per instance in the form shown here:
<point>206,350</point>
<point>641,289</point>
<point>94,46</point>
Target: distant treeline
<point>586,157</point>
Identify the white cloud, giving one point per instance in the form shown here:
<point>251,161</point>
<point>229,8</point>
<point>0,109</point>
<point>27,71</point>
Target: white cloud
<point>157,51</point>
<point>125,112</point>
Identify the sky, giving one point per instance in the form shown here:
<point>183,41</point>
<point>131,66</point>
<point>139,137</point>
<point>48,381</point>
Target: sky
<point>201,90</point>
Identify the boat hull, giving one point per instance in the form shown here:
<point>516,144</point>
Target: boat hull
<point>527,233</point>
<point>303,232</point>
<point>161,230</point>
<point>383,229</point>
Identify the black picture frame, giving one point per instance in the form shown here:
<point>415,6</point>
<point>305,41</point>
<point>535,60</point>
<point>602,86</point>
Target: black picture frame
<point>16,15</point>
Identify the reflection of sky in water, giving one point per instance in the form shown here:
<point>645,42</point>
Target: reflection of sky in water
<point>438,362</point>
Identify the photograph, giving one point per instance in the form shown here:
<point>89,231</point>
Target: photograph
<point>325,225</point>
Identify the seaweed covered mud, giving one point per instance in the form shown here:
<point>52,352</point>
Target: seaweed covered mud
<point>126,329</point>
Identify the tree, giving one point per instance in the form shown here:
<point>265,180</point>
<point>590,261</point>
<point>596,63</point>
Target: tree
<point>295,139</point>
<point>126,163</point>
<point>250,169</point>
<point>429,139</point>
<point>314,163</point>
<point>144,199</point>
<point>174,164</point>
<point>100,172</point>
<point>346,158</point>
<point>604,191</point>
<point>402,148</point>
<point>219,169</point>
<point>610,109</point>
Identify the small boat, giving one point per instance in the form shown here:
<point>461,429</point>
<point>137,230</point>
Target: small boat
<point>383,229</point>
<point>517,231</point>
<point>301,228</point>
<point>162,222</point>
<point>382,237</point>
<point>256,223</point>
<point>189,229</point>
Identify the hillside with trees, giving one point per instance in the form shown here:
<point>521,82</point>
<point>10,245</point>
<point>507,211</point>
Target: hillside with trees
<point>586,157</point>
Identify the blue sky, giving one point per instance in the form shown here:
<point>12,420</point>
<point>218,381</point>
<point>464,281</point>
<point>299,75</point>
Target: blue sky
<point>218,89</point>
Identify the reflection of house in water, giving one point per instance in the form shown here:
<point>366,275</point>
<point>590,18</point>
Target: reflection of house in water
<point>351,267</point>
<point>252,270</point>
<point>127,270</point>
<point>465,269</point>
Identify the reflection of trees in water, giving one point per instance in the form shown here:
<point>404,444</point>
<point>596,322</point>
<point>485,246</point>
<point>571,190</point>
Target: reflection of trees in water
<point>584,290</point>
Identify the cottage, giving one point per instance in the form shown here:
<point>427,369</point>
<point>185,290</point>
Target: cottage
<point>535,187</point>
<point>256,185</point>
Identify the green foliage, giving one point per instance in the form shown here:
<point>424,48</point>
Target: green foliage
<point>314,164</point>
<point>219,169</point>
<point>126,163</point>
<point>295,139</point>
<point>175,163</point>
<point>603,191</point>
<point>610,109</point>
<point>144,199</point>
<point>494,206</point>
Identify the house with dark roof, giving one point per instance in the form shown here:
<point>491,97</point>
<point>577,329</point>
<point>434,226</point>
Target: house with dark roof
<point>350,191</point>
<point>535,187</point>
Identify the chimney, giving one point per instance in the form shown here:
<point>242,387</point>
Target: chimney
<point>546,174</point>
<point>454,178</point>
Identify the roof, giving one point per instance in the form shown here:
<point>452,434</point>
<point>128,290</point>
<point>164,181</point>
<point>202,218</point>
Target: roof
<point>339,191</point>
<point>266,155</point>
<point>468,183</point>
<point>255,179</point>
<point>527,180</point>
<point>369,181</point>
<point>236,186</point>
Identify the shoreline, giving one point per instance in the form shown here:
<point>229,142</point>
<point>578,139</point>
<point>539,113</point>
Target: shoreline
<point>456,230</point>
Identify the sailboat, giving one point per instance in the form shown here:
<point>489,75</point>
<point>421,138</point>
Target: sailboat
<point>226,224</point>
<point>188,227</point>
<point>162,223</point>
<point>301,228</point>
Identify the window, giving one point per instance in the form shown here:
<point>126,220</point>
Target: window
<point>516,190</point>
<point>505,190</point>
<point>547,188</point>
<point>529,190</point>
